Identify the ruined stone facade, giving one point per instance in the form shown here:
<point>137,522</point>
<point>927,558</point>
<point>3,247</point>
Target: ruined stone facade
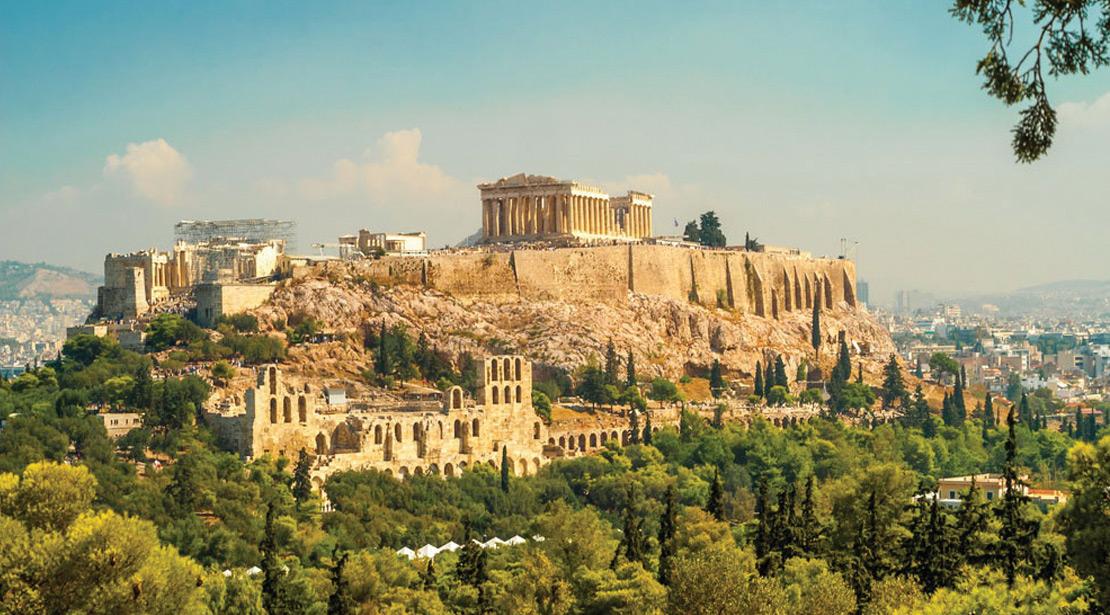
<point>136,282</point>
<point>532,207</point>
<point>280,416</point>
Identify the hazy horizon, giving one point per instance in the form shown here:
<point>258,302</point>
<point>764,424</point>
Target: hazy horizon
<point>800,124</point>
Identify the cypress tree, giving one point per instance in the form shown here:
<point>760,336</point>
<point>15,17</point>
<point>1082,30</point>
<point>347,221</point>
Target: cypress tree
<point>632,536</point>
<point>382,363</point>
<point>629,370</point>
<point>715,505</point>
<point>958,402</point>
<point>758,380</point>
<point>612,364</point>
<point>716,381</point>
<point>780,373</point>
<point>815,326</point>
<point>810,526</point>
<point>1017,532</point>
<point>667,527</point>
<point>917,370</point>
<point>894,387</point>
<point>763,530</point>
<point>340,602</point>
<point>430,575</point>
<point>988,411</point>
<point>647,429</point>
<point>302,479</point>
<point>272,585</point>
<point>504,469</point>
<point>947,411</point>
<point>634,426</point>
<point>1025,413</point>
<point>1080,425</point>
<point>971,524</point>
<point>424,356</point>
<point>471,567</point>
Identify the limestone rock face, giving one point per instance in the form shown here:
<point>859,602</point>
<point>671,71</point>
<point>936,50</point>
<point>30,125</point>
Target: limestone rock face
<point>668,336</point>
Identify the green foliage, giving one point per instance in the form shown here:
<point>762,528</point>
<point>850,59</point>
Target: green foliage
<point>941,364</point>
<point>664,390</point>
<point>242,323</point>
<point>168,330</point>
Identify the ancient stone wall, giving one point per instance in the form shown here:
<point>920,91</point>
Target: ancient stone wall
<point>762,284</point>
<point>216,300</point>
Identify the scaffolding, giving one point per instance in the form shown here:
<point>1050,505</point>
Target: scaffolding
<point>248,230</point>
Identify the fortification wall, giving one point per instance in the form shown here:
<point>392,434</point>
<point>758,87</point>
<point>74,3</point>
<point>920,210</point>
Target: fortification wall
<point>763,284</point>
<point>573,274</point>
<point>215,300</point>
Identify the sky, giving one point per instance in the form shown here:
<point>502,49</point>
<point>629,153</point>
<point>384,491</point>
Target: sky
<point>801,123</point>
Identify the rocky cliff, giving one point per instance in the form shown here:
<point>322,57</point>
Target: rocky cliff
<point>668,335</point>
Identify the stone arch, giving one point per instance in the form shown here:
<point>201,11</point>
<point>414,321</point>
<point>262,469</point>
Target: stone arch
<point>551,441</point>
<point>345,438</point>
<point>389,472</point>
<point>287,409</point>
<point>462,466</point>
<point>458,429</point>
<point>495,391</point>
<point>516,370</point>
<point>397,432</point>
<point>474,428</point>
<point>433,470</point>
<point>273,381</point>
<point>523,467</point>
<point>508,399</point>
<point>536,430</point>
<point>302,409</point>
<point>418,471</point>
<point>563,441</point>
<point>492,463</point>
<point>417,432</point>
<point>448,469</point>
<point>613,436</point>
<point>518,393</point>
<point>493,371</point>
<point>273,410</point>
<point>377,434</point>
<point>593,440</point>
<point>403,473</point>
<point>536,464</point>
<point>581,442</point>
<point>604,438</point>
<point>456,398</point>
<point>506,369</point>
<point>321,444</point>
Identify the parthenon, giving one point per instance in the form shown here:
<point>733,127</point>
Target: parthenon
<point>529,207</point>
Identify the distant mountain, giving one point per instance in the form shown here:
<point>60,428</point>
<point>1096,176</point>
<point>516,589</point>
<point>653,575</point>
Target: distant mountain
<point>1085,287</point>
<point>1064,299</point>
<point>40,280</point>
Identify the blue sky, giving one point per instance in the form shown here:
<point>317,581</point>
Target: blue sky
<point>800,122</point>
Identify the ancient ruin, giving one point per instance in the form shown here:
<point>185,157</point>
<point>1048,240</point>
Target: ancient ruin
<point>426,432</point>
<point>533,207</point>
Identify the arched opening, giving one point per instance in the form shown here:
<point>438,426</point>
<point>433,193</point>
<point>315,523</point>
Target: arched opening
<point>536,464</point>
<point>458,429</point>
<point>551,441</point>
<point>321,444</point>
<point>581,442</point>
<point>456,398</point>
<point>273,381</point>
<point>440,430</point>
<point>493,371</point>
<point>536,430</point>
<point>624,438</point>
<point>404,473</point>
<point>523,465</point>
<point>397,432</point>
<point>287,410</point>
<point>302,409</point>
<point>448,469</point>
<point>418,471</point>
<point>506,368</point>
<point>273,410</point>
<point>462,466</point>
<point>377,434</point>
<point>416,432</point>
<point>495,394</point>
<point>474,428</point>
<point>563,441</point>
<point>433,470</point>
<point>519,393</point>
<point>604,438</point>
<point>593,440</point>
<point>613,436</point>
<point>517,371</point>
<point>508,395</point>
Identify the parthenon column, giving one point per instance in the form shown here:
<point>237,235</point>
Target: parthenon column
<point>485,218</point>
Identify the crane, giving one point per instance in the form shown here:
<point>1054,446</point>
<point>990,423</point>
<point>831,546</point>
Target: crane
<point>846,251</point>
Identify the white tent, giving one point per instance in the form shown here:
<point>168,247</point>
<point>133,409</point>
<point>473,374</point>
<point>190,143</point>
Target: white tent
<point>427,551</point>
<point>450,546</point>
<point>493,543</point>
<point>407,552</point>
<point>516,540</point>
<point>538,538</point>
<point>253,570</point>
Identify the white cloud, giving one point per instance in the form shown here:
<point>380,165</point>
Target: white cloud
<point>391,174</point>
<point>153,170</point>
<point>1085,114</point>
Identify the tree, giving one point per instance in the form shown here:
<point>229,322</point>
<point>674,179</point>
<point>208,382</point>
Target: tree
<point>1015,537</point>
<point>222,372</point>
<point>958,402</point>
<point>780,373</point>
<point>382,364</point>
<point>815,326</point>
<point>857,396</point>
<point>592,386</point>
<point>692,233</point>
<point>1025,411</point>
<point>894,388</point>
<point>715,505</point>
<point>340,602</point>
<point>302,478</point>
<point>1063,42</point>
<point>710,233</point>
<point>647,429</point>
<point>667,527</point>
<point>634,426</point>
<point>810,528</point>
<point>917,413</point>
<point>1083,519</point>
<point>941,364</point>
<point>759,386</point>
<point>664,390</point>
<point>716,381</point>
<point>612,363</point>
<point>630,370</point>
<point>471,568</point>
<point>988,411</point>
<point>273,599</point>
<point>633,542</point>
<point>504,469</point>
<point>778,396</point>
